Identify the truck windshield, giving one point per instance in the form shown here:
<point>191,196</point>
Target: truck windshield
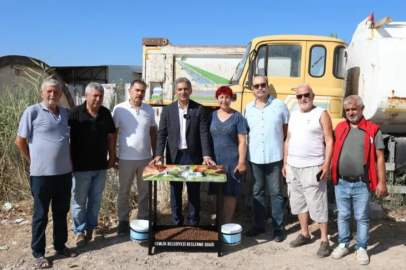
<point>240,67</point>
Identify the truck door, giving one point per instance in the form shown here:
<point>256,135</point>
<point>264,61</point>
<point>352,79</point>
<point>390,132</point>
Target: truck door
<point>283,64</point>
<point>321,74</point>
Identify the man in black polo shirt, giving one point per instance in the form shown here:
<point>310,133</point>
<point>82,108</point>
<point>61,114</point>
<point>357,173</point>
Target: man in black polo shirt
<point>92,136</point>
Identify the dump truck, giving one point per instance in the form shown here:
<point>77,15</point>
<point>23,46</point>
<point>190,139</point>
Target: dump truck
<point>371,66</point>
<point>287,61</point>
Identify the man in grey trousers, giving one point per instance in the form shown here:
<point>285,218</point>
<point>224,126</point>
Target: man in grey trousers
<point>136,128</point>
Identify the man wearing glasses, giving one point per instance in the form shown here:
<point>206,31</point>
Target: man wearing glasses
<point>184,131</point>
<point>267,120</point>
<point>136,128</point>
<point>92,136</point>
<point>307,157</point>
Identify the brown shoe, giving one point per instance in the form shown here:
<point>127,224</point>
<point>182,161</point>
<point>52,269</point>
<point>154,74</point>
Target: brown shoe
<point>98,235</point>
<point>80,240</point>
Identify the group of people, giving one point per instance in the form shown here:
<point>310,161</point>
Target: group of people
<point>69,153</point>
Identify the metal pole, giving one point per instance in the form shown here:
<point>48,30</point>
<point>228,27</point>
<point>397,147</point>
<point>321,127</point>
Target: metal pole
<point>150,228</point>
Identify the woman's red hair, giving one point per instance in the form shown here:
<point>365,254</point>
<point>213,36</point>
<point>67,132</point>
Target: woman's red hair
<point>224,90</point>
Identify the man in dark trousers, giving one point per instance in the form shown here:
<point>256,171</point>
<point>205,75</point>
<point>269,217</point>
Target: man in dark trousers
<point>43,140</point>
<point>184,130</point>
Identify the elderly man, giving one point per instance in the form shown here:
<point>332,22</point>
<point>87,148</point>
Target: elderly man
<point>92,136</point>
<point>136,127</point>
<point>185,131</point>
<point>45,126</point>
<point>308,152</point>
<point>358,168</point>
<point>267,119</point>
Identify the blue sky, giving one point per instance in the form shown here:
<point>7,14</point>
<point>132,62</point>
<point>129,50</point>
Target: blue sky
<point>73,33</point>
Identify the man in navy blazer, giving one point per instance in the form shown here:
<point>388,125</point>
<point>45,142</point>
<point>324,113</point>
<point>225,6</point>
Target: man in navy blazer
<point>184,130</point>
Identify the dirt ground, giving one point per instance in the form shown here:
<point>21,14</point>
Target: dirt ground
<point>387,248</point>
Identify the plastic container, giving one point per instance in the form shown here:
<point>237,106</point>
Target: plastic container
<point>139,230</point>
<point>231,234</point>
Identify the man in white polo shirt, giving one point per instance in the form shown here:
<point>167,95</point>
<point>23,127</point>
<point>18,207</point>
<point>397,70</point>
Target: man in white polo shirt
<point>136,127</point>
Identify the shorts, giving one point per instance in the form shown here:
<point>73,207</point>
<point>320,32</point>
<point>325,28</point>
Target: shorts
<point>306,194</point>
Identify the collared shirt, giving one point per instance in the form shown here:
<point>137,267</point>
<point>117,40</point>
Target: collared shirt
<point>48,140</point>
<point>134,130</point>
<point>89,138</point>
<point>182,126</point>
<point>265,137</point>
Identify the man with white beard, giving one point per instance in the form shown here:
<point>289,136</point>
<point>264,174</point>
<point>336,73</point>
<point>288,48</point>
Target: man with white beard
<point>358,168</point>
<point>307,156</point>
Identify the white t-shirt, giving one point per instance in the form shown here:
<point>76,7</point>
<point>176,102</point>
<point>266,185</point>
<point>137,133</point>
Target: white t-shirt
<point>306,142</point>
<point>134,127</point>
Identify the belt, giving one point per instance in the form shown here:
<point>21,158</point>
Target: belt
<point>353,179</point>
<point>183,150</point>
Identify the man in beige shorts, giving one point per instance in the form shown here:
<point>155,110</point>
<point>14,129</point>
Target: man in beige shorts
<point>307,156</point>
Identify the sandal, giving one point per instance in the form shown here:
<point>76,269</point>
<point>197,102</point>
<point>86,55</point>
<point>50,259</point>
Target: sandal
<point>40,263</point>
<point>70,253</point>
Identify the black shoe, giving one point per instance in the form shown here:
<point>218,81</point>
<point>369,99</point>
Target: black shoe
<point>300,241</point>
<point>324,249</point>
<point>279,236</point>
<point>254,231</point>
<point>122,228</point>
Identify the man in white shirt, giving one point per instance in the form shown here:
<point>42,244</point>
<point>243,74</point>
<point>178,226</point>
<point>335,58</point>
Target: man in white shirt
<point>184,130</point>
<point>136,128</point>
<point>307,156</point>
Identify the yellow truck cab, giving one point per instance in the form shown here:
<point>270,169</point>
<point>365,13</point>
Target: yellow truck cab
<point>290,60</point>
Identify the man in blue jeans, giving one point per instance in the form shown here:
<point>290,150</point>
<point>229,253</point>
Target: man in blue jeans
<point>267,120</point>
<point>358,168</point>
<point>92,136</point>
<point>45,127</point>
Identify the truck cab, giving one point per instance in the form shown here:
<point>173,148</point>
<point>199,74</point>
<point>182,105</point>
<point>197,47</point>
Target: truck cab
<point>290,60</point>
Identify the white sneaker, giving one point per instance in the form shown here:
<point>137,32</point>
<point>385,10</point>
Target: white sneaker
<point>340,251</point>
<point>362,256</point>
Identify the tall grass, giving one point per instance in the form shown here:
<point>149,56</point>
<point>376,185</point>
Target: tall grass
<point>14,169</point>
<point>14,99</point>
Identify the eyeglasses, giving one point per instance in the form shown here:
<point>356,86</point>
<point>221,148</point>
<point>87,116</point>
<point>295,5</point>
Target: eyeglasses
<point>256,86</point>
<point>303,95</point>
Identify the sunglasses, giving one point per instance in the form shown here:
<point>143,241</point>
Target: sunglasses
<point>303,95</point>
<point>256,86</point>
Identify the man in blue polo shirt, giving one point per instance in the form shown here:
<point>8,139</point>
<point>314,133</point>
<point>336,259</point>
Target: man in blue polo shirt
<point>45,127</point>
<point>92,136</point>
<point>267,120</point>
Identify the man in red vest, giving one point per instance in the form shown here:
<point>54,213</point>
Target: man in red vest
<point>358,168</point>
